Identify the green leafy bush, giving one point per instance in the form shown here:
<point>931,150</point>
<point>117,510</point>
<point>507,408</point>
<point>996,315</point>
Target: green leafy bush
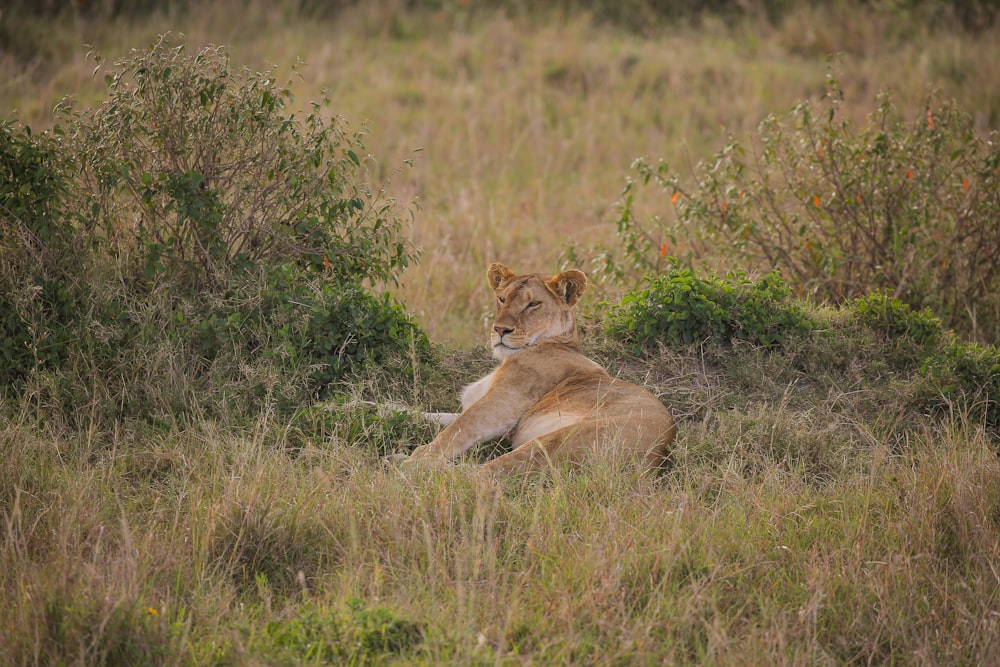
<point>34,184</point>
<point>907,336</point>
<point>894,319</point>
<point>967,376</point>
<point>194,169</point>
<point>40,298</point>
<point>213,250</point>
<point>679,308</point>
<point>903,206</point>
<point>297,318</point>
<point>37,325</point>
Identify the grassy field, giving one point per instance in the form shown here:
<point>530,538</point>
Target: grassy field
<point>830,501</point>
<point>814,515</point>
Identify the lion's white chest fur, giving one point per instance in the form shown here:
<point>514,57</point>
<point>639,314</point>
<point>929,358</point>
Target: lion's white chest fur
<point>476,390</point>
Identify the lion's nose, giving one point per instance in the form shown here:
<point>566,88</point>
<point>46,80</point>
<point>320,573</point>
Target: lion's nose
<point>502,331</point>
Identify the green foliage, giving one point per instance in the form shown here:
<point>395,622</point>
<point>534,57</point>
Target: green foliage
<point>37,326</point>
<point>966,377</point>
<point>369,426</point>
<point>679,308</point>
<point>103,632</point>
<point>904,206</point>
<point>894,319</point>
<point>212,244</point>
<point>301,334</point>
<point>908,336</point>
<point>297,314</point>
<point>359,635</point>
<point>39,298</point>
<point>194,169</point>
<point>355,327</point>
<point>33,187</point>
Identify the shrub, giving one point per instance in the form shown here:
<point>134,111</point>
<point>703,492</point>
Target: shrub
<point>214,248</point>
<point>36,326</point>
<point>892,318</point>
<point>39,297</point>
<point>907,336</point>
<point>679,308</point>
<point>34,184</point>
<point>906,207</point>
<point>195,169</point>
<point>967,376</point>
<point>303,320</point>
<point>352,327</point>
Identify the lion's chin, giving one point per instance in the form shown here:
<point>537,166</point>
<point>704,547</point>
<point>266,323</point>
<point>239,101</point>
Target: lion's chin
<point>501,351</point>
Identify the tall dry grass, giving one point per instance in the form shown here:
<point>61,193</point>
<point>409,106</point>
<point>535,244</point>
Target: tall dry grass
<point>212,546</point>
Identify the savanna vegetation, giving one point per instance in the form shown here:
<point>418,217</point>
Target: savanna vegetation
<point>242,247</point>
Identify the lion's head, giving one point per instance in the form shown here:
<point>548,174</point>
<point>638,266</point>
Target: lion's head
<point>532,307</point>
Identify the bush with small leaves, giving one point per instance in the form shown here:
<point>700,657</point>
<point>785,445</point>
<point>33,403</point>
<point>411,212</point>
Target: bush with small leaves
<point>905,206</point>
<point>195,169</point>
<point>908,336</point>
<point>966,376</point>
<point>307,331</point>
<point>678,308</point>
<point>193,236</point>
<point>40,298</point>
<point>357,635</point>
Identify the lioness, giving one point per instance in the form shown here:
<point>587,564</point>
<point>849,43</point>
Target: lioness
<point>553,402</point>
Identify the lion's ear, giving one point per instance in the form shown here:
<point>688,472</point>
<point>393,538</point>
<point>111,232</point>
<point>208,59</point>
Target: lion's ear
<point>497,274</point>
<point>568,285</point>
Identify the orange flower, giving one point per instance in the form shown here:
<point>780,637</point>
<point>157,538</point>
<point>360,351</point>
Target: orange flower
<point>965,184</point>
<point>930,119</point>
<point>663,250</point>
<point>816,201</point>
<point>674,197</point>
<point>909,174</point>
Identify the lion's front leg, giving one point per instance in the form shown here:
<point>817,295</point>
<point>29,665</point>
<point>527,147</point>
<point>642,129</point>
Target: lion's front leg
<point>484,420</point>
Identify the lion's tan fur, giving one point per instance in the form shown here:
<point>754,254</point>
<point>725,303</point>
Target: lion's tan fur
<point>553,403</point>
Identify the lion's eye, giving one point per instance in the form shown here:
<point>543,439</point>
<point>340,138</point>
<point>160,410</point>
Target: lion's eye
<point>501,299</point>
<point>534,304</point>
